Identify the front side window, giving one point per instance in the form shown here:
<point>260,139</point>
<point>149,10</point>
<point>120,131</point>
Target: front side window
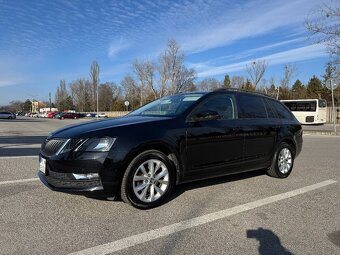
<point>168,106</point>
<point>251,107</point>
<point>223,104</point>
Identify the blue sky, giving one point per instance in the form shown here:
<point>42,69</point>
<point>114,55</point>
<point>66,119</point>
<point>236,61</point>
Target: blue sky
<point>42,42</point>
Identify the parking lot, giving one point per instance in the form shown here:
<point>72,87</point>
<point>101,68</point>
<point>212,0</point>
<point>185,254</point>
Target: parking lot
<point>249,213</point>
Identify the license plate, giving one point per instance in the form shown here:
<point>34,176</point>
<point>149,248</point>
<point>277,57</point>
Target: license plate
<point>42,165</point>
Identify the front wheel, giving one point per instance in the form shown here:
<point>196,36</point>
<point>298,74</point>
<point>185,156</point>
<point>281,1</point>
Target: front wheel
<point>148,180</point>
<point>283,161</point>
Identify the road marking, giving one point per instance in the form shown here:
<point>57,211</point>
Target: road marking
<point>19,181</point>
<point>16,157</point>
<point>194,222</point>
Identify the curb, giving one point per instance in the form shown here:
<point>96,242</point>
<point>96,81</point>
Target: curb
<point>331,133</point>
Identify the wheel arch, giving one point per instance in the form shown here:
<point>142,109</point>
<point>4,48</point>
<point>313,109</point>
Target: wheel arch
<point>165,148</point>
<point>290,142</point>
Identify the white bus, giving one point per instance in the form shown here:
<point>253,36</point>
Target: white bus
<point>308,111</point>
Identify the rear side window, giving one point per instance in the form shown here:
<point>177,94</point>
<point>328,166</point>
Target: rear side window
<point>251,107</point>
<point>270,110</point>
<point>281,111</point>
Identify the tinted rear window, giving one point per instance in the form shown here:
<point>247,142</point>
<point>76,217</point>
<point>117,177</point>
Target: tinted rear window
<point>251,107</point>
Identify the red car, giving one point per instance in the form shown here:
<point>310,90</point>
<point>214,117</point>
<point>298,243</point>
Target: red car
<point>51,114</point>
<point>70,115</point>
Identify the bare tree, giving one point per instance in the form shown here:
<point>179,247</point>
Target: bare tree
<point>94,75</point>
<point>145,71</point>
<point>209,84</point>
<point>289,73</point>
<point>106,96</point>
<point>237,82</point>
<point>324,27</point>
<point>256,70</point>
<point>185,80</point>
<point>130,90</point>
<point>61,96</point>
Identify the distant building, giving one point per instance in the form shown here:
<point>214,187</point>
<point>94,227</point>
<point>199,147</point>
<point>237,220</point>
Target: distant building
<point>48,109</point>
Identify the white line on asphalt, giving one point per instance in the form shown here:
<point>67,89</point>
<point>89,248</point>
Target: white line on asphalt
<point>19,181</point>
<point>187,224</point>
<point>16,157</point>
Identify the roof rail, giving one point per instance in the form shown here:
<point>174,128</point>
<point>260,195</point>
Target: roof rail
<point>243,90</point>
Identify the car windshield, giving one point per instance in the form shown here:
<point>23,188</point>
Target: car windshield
<point>168,106</point>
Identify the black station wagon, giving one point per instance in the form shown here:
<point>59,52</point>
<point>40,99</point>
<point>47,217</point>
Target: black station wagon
<point>172,140</point>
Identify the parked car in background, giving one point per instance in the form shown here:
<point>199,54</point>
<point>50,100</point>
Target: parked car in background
<point>34,114</point>
<point>91,115</point>
<point>70,115</point>
<point>172,140</point>
<point>102,115</point>
<point>7,115</point>
<point>42,115</point>
<point>51,114</point>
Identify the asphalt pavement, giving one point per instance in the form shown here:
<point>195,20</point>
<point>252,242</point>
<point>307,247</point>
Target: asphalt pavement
<point>248,213</point>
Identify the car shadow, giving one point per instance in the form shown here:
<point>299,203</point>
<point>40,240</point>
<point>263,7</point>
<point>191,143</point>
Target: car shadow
<point>23,120</point>
<point>18,152</point>
<point>20,145</point>
<point>21,140</point>
<point>180,189</point>
<point>269,242</point>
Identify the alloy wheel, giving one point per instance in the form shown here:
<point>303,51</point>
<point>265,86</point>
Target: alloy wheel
<point>285,160</point>
<point>151,180</point>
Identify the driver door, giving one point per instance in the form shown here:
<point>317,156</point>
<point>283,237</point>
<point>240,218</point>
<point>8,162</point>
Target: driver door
<point>214,146</point>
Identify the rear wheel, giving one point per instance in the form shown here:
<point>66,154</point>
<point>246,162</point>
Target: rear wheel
<point>283,161</point>
<point>148,180</point>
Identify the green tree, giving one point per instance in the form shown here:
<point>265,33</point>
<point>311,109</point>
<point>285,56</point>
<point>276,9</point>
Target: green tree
<point>248,86</point>
<point>298,90</point>
<point>27,106</point>
<point>314,87</point>
<point>226,82</point>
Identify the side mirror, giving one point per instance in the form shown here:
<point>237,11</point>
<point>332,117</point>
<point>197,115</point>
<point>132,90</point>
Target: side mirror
<point>206,115</point>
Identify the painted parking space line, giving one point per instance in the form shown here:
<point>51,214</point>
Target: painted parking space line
<point>18,157</point>
<point>19,181</point>
<point>130,241</point>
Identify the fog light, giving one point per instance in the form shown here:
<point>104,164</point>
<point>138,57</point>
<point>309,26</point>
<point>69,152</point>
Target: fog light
<point>86,176</point>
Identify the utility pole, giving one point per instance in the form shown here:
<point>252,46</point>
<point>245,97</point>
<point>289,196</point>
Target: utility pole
<point>49,94</point>
<point>97,97</point>
<point>333,108</point>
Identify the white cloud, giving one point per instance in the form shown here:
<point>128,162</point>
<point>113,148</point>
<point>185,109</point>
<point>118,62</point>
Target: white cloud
<point>118,46</point>
<point>4,83</point>
<point>289,56</point>
<point>244,21</point>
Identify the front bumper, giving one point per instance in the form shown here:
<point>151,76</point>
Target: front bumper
<point>69,185</point>
<point>61,174</point>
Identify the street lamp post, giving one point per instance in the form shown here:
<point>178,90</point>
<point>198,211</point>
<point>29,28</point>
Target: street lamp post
<point>333,108</point>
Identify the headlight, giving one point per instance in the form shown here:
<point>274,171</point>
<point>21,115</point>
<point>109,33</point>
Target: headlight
<point>97,144</point>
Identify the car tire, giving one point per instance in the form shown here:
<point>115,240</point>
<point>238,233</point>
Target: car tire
<point>75,118</point>
<point>283,161</point>
<point>10,117</point>
<point>148,180</point>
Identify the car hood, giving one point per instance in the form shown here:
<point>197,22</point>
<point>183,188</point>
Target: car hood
<point>78,130</point>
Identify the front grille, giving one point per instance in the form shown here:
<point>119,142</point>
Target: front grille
<point>310,119</point>
<point>52,146</point>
